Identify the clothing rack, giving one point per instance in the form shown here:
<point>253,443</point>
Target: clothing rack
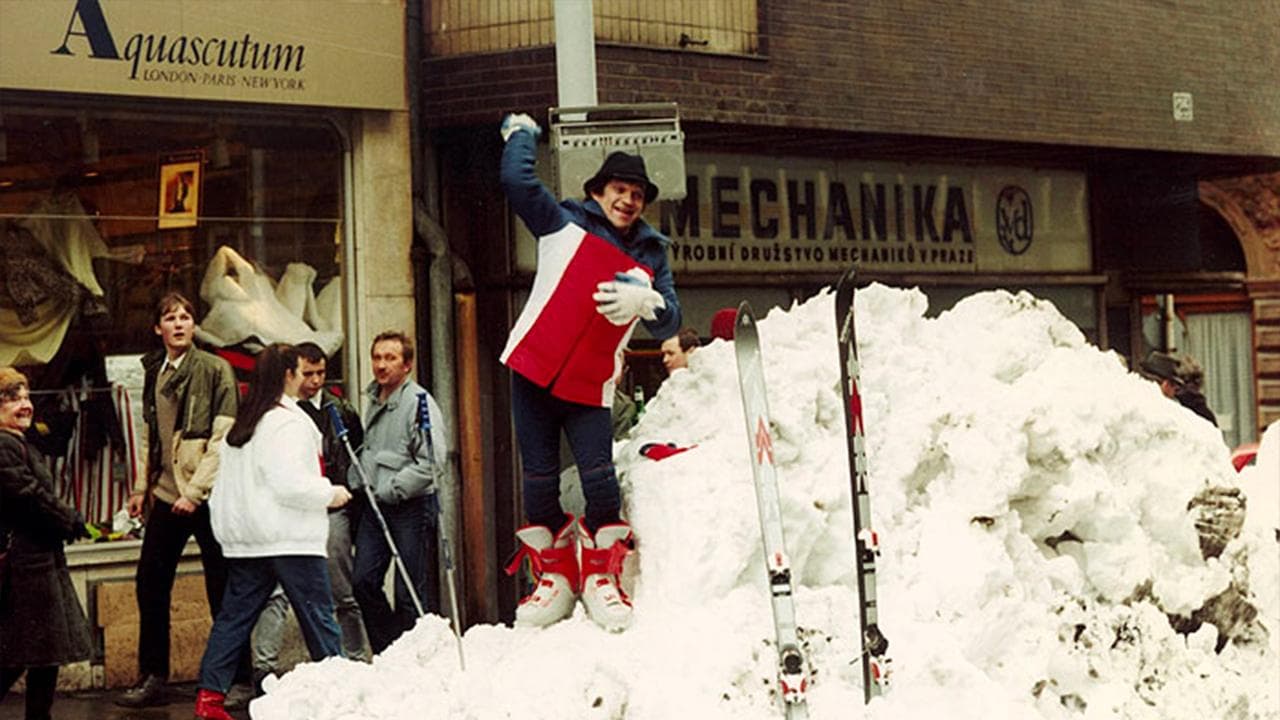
<point>98,484</point>
<point>74,389</point>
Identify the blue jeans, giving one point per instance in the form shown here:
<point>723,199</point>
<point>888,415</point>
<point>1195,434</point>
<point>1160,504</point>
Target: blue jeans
<point>249,584</point>
<point>409,524</point>
<point>268,633</point>
<point>539,418</point>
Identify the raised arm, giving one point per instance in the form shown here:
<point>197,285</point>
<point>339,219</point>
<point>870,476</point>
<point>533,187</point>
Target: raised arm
<point>530,199</point>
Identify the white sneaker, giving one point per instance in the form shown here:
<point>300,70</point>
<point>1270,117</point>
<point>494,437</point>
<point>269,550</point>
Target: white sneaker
<point>602,558</point>
<point>554,563</point>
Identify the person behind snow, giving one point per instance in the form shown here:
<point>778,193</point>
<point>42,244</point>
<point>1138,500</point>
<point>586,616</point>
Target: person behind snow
<point>1191,394</point>
<point>677,349</point>
<point>601,268</point>
<point>1179,379</point>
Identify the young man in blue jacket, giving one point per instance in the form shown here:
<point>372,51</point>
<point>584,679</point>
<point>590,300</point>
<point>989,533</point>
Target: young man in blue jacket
<point>601,268</point>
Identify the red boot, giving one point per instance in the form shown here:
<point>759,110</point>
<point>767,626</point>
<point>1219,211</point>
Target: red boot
<point>554,561</point>
<point>209,706</point>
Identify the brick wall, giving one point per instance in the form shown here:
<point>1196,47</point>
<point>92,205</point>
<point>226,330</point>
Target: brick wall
<point>1094,73</point>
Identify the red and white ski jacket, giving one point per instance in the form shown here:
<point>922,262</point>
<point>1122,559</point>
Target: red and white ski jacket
<point>560,341</point>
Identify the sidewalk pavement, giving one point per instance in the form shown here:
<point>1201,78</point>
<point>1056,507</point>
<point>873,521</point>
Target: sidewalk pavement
<point>100,705</point>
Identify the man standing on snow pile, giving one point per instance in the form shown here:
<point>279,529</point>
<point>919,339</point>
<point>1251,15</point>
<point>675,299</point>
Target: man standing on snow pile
<point>600,268</point>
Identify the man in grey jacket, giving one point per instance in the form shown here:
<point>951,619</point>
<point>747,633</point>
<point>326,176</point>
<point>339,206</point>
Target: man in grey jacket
<point>402,475</point>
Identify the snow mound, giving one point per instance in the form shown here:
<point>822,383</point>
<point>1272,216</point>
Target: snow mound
<point>1042,514</point>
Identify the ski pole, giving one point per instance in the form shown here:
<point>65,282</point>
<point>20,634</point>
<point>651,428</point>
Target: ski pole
<point>424,427</point>
<point>343,435</point>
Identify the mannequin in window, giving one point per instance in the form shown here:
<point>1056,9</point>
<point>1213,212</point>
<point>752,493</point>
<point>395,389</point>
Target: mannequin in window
<point>244,306</point>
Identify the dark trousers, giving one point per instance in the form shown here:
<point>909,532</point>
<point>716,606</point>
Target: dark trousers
<point>166,535</point>
<point>305,580</point>
<point>409,523</point>
<point>539,418</point>
<point>41,682</point>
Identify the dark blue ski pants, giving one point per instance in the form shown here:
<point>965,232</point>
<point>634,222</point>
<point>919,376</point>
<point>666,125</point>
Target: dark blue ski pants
<point>539,418</point>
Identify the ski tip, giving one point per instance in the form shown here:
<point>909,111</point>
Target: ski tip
<point>745,317</point>
<point>848,276</point>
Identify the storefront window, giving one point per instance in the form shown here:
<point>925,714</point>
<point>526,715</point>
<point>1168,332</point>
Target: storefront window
<point>103,212</point>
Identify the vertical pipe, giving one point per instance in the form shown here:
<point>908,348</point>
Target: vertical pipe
<point>480,574</point>
<point>258,202</point>
<point>575,53</point>
<point>351,351</point>
<point>433,282</point>
<point>1136,334</point>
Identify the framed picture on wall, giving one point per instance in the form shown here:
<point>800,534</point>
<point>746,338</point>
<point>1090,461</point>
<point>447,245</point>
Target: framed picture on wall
<point>180,191</point>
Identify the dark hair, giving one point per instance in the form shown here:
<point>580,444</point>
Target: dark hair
<point>171,300</point>
<point>406,343</point>
<point>266,385</point>
<point>689,339</point>
<point>310,352</point>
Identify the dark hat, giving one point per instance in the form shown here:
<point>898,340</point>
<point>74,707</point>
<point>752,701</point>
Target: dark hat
<point>1162,366</point>
<point>623,166</point>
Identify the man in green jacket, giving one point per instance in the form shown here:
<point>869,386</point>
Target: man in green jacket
<point>189,403</point>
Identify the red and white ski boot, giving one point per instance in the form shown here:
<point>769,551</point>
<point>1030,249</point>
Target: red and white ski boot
<point>554,562</point>
<point>602,558</point>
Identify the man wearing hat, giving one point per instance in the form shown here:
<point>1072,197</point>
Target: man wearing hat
<point>1180,380</point>
<point>601,268</point>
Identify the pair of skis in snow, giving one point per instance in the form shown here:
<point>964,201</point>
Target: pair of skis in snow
<point>793,671</point>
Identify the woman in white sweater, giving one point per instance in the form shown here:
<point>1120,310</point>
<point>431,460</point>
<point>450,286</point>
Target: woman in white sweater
<point>268,509</point>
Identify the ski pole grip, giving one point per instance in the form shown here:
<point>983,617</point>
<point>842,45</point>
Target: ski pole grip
<point>424,424</point>
<point>336,417</point>
<point>424,414</point>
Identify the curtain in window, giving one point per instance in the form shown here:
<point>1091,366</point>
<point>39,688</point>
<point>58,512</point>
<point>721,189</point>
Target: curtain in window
<point>1223,344</point>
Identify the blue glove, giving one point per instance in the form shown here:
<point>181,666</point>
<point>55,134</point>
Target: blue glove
<point>519,121</point>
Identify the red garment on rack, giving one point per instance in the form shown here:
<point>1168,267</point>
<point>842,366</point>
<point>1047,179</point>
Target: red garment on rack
<point>98,484</point>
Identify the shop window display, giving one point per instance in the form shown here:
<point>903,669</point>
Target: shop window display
<point>102,212</point>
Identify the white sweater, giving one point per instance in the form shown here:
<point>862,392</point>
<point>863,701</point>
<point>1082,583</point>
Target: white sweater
<point>270,498</point>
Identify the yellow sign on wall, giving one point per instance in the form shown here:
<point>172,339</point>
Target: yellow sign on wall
<point>330,53</point>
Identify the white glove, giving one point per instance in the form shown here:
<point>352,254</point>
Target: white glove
<point>519,121</point>
<point>628,296</point>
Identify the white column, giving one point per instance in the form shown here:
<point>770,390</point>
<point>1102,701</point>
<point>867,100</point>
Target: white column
<point>575,53</point>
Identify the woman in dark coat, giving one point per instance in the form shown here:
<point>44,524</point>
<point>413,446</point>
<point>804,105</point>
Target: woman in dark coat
<point>42,625</point>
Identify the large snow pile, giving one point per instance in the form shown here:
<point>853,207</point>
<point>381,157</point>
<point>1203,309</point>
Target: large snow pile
<point>1262,482</point>
<point>1044,518</point>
